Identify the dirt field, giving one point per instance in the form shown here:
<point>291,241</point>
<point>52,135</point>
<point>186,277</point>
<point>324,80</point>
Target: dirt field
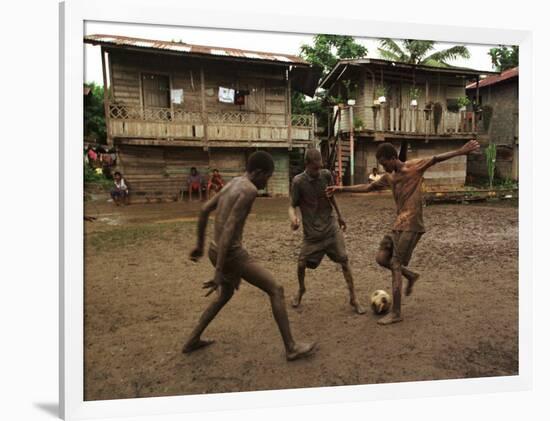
<point>143,296</point>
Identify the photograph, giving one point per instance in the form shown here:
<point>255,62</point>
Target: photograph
<point>275,210</point>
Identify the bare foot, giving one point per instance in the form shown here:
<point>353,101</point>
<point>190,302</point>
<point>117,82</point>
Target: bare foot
<point>297,299</point>
<point>193,346</point>
<point>359,309</point>
<point>410,284</point>
<point>301,350</point>
<point>389,319</point>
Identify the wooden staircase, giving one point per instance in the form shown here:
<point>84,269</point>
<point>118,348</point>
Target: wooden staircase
<point>338,152</point>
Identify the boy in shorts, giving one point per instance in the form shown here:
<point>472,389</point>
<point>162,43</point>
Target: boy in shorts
<point>321,234</point>
<point>405,180</point>
<point>232,261</point>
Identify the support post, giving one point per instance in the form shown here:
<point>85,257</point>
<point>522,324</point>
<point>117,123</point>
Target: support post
<point>106,88</point>
<point>339,146</point>
<point>351,147</point>
<point>289,110</point>
<point>203,111</point>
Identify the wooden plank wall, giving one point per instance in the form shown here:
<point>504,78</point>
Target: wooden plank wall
<point>278,185</point>
<point>159,173</point>
<point>265,83</point>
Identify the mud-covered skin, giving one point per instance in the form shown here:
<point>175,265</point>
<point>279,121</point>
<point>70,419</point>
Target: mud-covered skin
<point>232,207</point>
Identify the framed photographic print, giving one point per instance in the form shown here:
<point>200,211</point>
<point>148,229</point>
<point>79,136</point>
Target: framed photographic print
<point>263,209</point>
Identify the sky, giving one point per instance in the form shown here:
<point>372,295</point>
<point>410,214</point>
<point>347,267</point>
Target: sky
<point>286,43</point>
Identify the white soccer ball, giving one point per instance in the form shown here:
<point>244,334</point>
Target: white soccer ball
<point>380,301</point>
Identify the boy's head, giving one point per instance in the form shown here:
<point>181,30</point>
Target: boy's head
<point>193,171</point>
<point>313,162</point>
<point>216,172</point>
<point>386,155</point>
<point>118,176</point>
<point>375,170</point>
<point>260,166</point>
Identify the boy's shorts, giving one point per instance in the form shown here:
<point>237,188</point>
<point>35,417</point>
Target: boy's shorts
<point>234,263</point>
<point>334,247</point>
<point>404,243</point>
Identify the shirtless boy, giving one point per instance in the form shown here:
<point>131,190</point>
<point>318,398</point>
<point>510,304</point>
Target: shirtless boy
<point>405,180</point>
<point>321,234</point>
<point>231,260</point>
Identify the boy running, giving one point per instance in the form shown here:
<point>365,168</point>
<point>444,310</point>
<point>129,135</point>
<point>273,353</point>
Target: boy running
<point>405,180</point>
<point>321,234</point>
<point>231,260</point>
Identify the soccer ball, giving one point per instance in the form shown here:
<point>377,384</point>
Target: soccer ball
<point>380,301</point>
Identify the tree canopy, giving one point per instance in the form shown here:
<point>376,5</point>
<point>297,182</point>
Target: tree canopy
<point>417,52</point>
<point>325,51</point>
<point>94,114</point>
<point>328,49</point>
<point>504,58</point>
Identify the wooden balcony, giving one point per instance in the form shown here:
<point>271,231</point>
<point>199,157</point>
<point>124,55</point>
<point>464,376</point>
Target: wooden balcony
<point>236,128</point>
<point>386,122</point>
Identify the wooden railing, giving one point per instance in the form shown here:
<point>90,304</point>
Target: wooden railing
<point>412,120</point>
<point>125,112</point>
<point>228,126</point>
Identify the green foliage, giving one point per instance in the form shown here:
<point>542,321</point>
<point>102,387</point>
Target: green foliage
<point>414,92</point>
<point>487,114</point>
<point>438,113</point>
<point>325,52</point>
<point>352,88</point>
<point>463,101</point>
<point>416,52</point>
<point>328,49</point>
<point>357,122</point>
<point>380,91</point>
<point>91,177</point>
<point>506,184</point>
<point>490,155</point>
<point>94,115</point>
<point>504,58</point>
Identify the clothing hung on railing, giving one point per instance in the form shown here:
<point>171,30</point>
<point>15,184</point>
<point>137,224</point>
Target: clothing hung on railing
<point>226,95</point>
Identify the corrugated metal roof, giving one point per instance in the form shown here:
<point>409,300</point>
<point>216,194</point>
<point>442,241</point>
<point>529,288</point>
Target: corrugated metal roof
<point>336,73</point>
<point>181,47</point>
<point>491,80</point>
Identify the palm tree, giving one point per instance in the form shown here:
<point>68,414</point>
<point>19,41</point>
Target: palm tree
<point>415,52</point>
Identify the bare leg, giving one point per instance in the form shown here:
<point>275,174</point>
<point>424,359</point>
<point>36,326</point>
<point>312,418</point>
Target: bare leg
<point>346,270</point>
<point>383,258</point>
<point>302,286</point>
<point>194,342</point>
<point>397,285</point>
<point>190,193</point>
<point>261,278</point>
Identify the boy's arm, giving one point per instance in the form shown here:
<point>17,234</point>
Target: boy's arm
<point>360,188</point>
<point>293,215</point>
<point>469,147</point>
<point>294,204</point>
<point>341,221</point>
<point>208,207</point>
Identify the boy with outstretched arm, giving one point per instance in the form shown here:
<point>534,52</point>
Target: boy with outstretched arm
<point>405,180</point>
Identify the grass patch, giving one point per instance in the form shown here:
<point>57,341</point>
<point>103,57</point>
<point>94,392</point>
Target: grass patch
<point>120,237</point>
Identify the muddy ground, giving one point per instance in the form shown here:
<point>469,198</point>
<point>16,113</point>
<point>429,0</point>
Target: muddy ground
<point>143,296</point>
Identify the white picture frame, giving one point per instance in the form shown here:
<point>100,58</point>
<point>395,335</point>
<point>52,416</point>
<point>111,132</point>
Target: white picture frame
<point>73,14</point>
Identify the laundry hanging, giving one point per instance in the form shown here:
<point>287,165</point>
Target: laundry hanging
<point>226,95</point>
<point>176,96</point>
<point>239,96</point>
